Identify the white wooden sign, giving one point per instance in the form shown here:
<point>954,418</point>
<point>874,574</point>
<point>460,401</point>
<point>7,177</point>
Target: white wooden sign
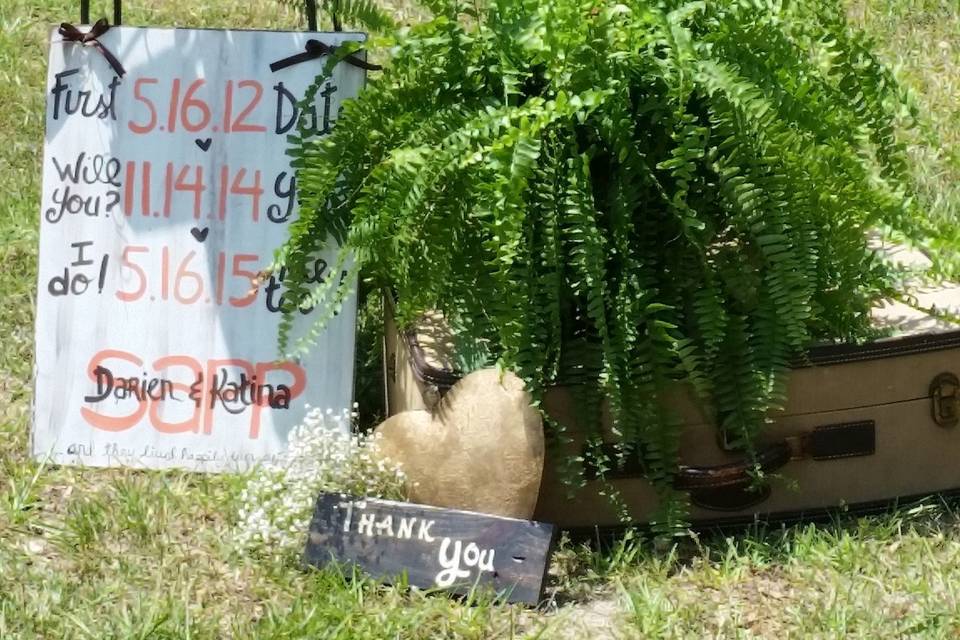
<point>165,192</point>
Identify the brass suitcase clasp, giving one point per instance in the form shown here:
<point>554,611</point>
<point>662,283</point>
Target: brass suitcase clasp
<point>945,397</point>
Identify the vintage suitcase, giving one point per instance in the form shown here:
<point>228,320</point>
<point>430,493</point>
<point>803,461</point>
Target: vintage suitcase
<point>864,425</point>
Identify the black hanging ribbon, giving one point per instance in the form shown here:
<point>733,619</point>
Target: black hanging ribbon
<point>71,34</point>
<point>315,49</point>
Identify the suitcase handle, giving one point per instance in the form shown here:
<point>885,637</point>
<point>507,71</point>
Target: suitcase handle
<point>732,486</point>
<point>690,477</point>
<point>769,459</point>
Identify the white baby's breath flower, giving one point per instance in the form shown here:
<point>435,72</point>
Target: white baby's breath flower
<point>322,456</point>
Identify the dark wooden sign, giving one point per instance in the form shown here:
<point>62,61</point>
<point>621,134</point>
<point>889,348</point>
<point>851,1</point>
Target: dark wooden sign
<point>435,548</point>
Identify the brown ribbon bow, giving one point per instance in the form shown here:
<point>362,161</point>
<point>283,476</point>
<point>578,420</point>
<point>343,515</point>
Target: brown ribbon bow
<point>316,49</point>
<point>71,34</point>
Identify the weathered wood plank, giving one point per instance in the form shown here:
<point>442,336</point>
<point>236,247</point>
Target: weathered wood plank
<point>434,547</point>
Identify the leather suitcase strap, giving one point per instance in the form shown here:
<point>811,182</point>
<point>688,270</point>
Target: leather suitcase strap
<point>844,440</point>
<point>730,487</point>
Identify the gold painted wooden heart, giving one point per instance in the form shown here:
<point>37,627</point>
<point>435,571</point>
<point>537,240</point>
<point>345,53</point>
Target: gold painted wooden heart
<point>481,449</point>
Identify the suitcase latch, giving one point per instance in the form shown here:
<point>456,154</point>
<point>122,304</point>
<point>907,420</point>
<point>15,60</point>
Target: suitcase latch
<point>945,397</point>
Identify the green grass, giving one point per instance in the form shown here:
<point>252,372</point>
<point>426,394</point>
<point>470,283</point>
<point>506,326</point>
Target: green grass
<point>124,554</point>
<point>920,38</point>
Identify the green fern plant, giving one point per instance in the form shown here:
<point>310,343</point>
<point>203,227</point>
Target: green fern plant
<point>625,194</point>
